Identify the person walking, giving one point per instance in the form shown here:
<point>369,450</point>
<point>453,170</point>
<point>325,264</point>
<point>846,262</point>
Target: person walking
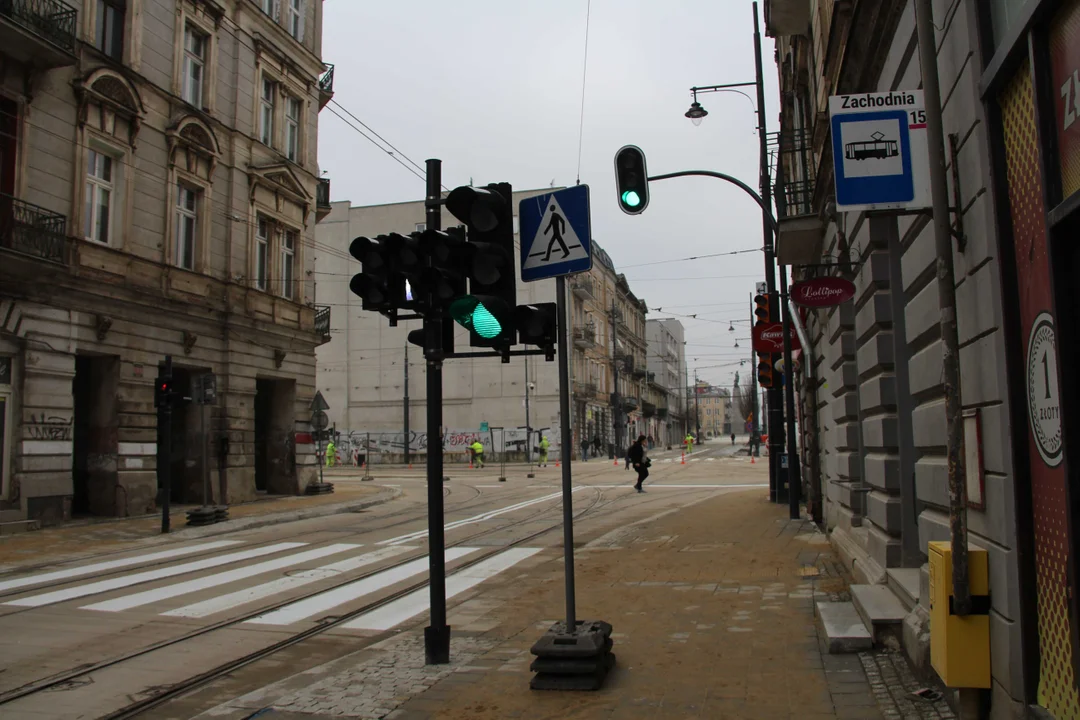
<point>689,443</point>
<point>628,460</point>
<point>732,438</point>
<point>584,450</point>
<point>544,445</point>
<point>596,445</point>
<point>478,453</point>
<point>641,462</point>
<point>331,454</point>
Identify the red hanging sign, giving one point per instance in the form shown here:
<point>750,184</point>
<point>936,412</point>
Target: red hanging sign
<point>769,338</point>
<point>822,292</point>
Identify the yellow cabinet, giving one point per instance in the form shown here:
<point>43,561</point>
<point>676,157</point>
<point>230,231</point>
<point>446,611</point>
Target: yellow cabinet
<point>960,646</point>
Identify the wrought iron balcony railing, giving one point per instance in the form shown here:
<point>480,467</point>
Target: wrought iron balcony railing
<point>583,288</point>
<point>322,194</point>
<point>51,19</point>
<point>585,336</point>
<point>322,321</point>
<point>32,230</point>
<point>326,82</point>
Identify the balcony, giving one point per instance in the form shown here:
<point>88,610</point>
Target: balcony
<point>31,230</point>
<point>640,373</point>
<point>322,199</point>
<point>662,413</point>
<point>583,288</point>
<point>326,86</point>
<point>585,390</point>
<point>40,33</point>
<point>630,403</point>
<point>800,230</point>
<point>322,323</point>
<point>585,337</point>
<point>787,17</point>
<point>648,409</point>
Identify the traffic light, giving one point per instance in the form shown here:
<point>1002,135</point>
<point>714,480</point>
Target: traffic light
<point>487,259</point>
<point>763,309</point>
<point>163,392</point>
<point>765,370</point>
<point>631,180</point>
<point>432,268</point>
<point>538,325</point>
<point>379,283</point>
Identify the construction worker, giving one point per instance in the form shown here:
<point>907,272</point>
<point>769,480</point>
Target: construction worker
<point>478,453</point>
<point>331,454</point>
<point>544,445</point>
<point>689,443</point>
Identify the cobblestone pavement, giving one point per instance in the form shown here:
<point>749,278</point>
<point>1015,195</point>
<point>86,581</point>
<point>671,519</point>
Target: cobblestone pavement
<point>713,614</point>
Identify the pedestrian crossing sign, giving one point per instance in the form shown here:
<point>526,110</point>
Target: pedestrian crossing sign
<point>556,236</point>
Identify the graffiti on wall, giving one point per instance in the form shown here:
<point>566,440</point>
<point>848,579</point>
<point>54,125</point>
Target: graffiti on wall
<point>49,427</point>
<point>349,443</point>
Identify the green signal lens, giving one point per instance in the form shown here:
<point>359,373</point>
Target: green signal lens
<point>631,198</point>
<point>484,323</point>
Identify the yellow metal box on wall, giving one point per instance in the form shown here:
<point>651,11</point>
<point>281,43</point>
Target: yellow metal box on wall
<point>960,646</point>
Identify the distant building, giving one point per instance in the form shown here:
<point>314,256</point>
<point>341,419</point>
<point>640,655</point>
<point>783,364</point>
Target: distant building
<point>712,408</point>
<point>667,372</point>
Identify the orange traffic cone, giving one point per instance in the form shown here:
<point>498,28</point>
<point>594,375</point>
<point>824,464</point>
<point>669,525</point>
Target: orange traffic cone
<point>556,463</point>
<point>683,459</point>
<point>751,456</point>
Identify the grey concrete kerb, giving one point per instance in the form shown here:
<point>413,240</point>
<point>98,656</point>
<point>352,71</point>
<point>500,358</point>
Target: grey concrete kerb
<point>385,495</point>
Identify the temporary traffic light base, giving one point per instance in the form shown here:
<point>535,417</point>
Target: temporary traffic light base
<point>578,660</point>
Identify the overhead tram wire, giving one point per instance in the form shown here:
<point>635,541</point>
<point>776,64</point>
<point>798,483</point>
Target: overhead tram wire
<point>693,257</point>
<point>584,77</point>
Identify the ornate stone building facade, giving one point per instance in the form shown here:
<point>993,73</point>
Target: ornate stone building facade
<point>159,190</point>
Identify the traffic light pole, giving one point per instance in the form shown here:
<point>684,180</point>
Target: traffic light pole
<point>405,401</point>
<point>437,634</point>
<point>755,434</point>
<point>165,467</point>
<point>794,481</point>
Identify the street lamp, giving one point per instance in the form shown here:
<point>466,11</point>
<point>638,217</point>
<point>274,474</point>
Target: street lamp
<point>696,113</point>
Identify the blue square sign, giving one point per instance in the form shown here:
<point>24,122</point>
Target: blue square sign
<point>872,158</point>
<point>556,233</point>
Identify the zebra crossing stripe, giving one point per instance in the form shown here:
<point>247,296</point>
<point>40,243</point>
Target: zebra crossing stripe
<point>126,581</point>
<point>411,605</point>
<point>101,567</point>
<point>303,609</point>
<point>304,577</point>
<point>222,578</point>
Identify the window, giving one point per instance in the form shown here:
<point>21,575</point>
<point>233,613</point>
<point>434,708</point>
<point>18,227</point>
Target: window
<point>262,252</point>
<point>294,19</point>
<point>99,189</point>
<point>195,44</point>
<point>266,112</point>
<point>267,7</point>
<point>186,222</point>
<point>288,255</point>
<point>109,28</point>
<point>292,128</point>
<point>421,227</point>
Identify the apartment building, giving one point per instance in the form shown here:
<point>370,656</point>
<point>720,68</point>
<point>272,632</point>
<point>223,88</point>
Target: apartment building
<point>871,390</point>
<point>711,407</point>
<point>159,189</point>
<point>666,363</point>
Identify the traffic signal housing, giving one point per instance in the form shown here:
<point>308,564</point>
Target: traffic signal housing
<point>631,180</point>
<point>766,373</point>
<point>488,263</point>
<point>379,284</point>
<point>763,308</point>
<point>163,392</point>
<point>538,325</point>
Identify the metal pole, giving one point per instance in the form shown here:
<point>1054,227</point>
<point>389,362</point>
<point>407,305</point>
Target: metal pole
<point>528,426</point>
<point>617,414</point>
<point>946,284</point>
<point>564,422</point>
<point>776,412</point>
<point>794,481</point>
<point>319,454</point>
<point>697,410</point>
<point>755,435</point>
<point>165,471</point>
<point>408,459</point>
<point>208,492</point>
<point>437,635</point>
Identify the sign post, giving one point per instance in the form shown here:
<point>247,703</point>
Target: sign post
<point>556,240</point>
<point>319,422</point>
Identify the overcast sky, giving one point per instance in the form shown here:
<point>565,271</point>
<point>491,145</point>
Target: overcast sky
<point>494,89</point>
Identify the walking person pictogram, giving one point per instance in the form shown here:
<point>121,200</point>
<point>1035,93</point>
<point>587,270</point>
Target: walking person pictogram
<point>556,227</point>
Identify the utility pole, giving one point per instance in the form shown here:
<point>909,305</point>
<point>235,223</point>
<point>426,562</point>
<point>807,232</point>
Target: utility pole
<point>776,412</point>
<point>794,480</point>
<point>405,400</point>
<point>697,410</point>
<point>946,286</point>
<point>437,634</point>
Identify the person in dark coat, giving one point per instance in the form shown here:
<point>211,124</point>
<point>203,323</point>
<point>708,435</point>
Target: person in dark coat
<point>640,461</point>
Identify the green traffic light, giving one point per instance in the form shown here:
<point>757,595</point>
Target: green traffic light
<point>471,313</point>
<point>631,198</point>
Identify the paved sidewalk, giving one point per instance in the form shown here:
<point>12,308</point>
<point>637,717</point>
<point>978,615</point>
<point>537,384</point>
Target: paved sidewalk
<point>713,615</point>
<point>80,539</point>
